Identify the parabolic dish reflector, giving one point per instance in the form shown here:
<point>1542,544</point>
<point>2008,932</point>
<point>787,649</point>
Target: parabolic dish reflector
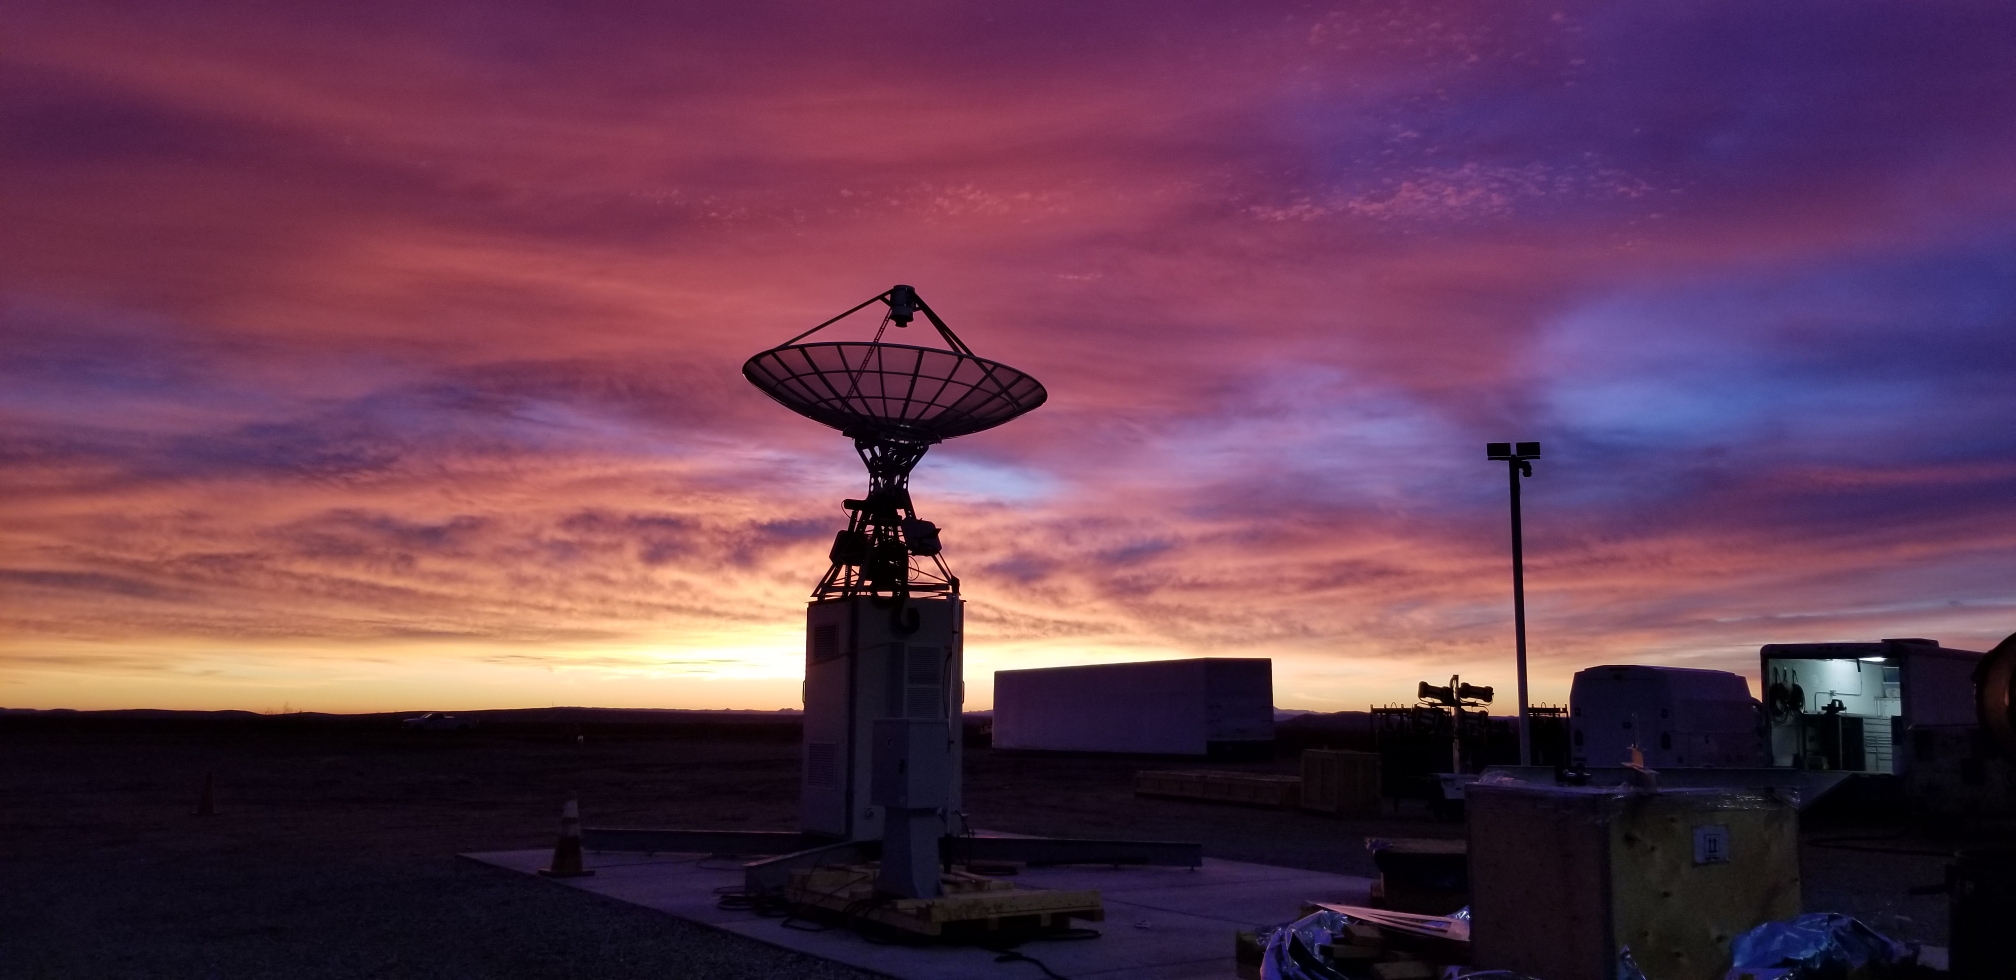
<point>894,390</point>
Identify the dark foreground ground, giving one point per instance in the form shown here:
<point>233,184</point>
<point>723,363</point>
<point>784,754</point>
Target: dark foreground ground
<point>332,854</point>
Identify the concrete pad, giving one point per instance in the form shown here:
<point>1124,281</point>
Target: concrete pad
<point>1161,923</point>
<point>1218,969</point>
<point>1254,902</point>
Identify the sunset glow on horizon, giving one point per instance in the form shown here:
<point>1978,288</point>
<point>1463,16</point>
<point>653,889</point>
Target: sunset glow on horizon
<point>388,357</point>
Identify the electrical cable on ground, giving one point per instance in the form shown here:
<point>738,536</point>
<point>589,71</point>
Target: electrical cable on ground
<point>1008,954</point>
<point>1011,956</point>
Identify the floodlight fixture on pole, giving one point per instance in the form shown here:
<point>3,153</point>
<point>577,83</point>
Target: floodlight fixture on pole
<point>1455,697</point>
<point>1518,458</point>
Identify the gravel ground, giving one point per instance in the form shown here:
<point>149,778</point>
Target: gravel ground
<point>332,852</point>
<point>334,857</point>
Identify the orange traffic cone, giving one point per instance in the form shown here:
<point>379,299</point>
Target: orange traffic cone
<point>206,805</point>
<point>567,851</point>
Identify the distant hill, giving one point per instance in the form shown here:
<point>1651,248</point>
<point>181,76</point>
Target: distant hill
<point>568,723</point>
<point>569,713</point>
<point>534,723</point>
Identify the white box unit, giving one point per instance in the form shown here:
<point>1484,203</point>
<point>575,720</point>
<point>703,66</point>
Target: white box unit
<point>1676,716</point>
<point>1161,707</point>
<point>859,666</point>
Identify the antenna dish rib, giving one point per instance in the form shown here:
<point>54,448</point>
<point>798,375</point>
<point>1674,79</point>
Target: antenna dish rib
<point>912,394</point>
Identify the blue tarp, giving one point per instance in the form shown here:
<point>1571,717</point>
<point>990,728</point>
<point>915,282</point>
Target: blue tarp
<point>1818,946</point>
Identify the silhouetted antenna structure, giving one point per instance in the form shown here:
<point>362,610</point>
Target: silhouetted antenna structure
<point>895,401</point>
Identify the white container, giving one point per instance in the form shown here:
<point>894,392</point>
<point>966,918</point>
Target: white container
<point>1210,705</point>
<point>1676,716</point>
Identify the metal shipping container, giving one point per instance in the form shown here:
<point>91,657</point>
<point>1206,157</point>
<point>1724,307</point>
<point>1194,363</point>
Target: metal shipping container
<point>1210,705</point>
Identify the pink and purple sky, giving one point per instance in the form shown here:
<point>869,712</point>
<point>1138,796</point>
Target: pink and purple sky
<point>386,355</point>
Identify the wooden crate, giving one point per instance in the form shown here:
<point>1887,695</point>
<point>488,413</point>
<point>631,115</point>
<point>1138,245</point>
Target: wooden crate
<point>1340,782</point>
<point>1562,878</point>
<point>1250,789</point>
<point>971,903</point>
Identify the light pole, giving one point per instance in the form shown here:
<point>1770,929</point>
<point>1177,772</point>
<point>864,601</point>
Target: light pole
<point>1518,459</point>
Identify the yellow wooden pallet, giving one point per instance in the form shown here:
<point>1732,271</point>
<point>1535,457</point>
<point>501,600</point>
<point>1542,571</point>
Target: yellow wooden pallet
<point>971,903</point>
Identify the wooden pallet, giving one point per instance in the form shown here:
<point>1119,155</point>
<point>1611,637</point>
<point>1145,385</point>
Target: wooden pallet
<point>971,903</point>
<point>1250,789</point>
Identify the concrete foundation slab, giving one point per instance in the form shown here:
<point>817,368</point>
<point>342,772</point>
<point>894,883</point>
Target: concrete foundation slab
<point>1161,923</point>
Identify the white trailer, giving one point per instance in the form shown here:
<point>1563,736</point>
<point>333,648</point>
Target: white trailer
<point>1847,706</point>
<point>1205,706</point>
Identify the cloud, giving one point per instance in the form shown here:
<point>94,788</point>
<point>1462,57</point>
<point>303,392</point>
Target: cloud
<point>416,331</point>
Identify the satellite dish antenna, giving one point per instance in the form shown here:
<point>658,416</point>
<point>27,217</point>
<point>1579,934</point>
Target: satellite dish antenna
<point>895,401</point>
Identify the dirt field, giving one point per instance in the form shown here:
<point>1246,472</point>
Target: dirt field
<point>332,852</point>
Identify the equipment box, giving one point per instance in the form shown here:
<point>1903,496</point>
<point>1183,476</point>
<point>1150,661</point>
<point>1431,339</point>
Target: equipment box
<point>1564,878</point>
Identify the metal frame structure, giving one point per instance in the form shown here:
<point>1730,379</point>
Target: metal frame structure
<point>1413,743</point>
